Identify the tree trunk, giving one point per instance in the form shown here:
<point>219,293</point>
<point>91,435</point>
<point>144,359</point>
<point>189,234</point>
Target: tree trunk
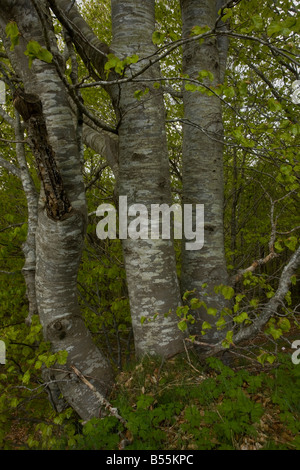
<point>144,178</point>
<point>203,163</point>
<point>59,239</point>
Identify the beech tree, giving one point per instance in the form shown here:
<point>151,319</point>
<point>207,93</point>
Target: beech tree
<point>179,69</point>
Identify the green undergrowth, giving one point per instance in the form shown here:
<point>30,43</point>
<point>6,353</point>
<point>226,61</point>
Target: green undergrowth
<point>180,405</point>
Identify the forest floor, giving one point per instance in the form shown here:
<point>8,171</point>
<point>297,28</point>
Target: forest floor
<point>180,404</point>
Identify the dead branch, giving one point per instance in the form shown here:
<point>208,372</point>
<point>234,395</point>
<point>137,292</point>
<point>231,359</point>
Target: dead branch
<point>103,402</point>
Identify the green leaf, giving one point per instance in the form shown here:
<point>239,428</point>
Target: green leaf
<point>220,323</point>
<point>274,105</point>
<point>62,357</point>
<point>274,28</point>
<point>228,12</point>
<point>196,303</point>
<point>158,37</point>
<point>182,325</point>
<point>198,30</point>
<point>284,324</point>
<point>271,358</point>
<point>26,377</point>
<point>241,317</point>
<point>45,55</point>
<point>274,332</point>
<point>12,32</point>
<point>257,21</point>
<point>212,311</point>
<point>190,87</point>
<point>187,293</point>
<point>131,59</point>
<point>35,51</point>
<point>228,340</point>
<point>227,292</point>
<point>294,279</point>
<point>140,93</point>
<point>278,246</point>
<point>254,303</point>
<point>206,73</point>
<point>291,243</point>
<point>206,325</point>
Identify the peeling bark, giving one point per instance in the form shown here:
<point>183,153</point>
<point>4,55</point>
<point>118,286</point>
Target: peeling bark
<point>56,201</point>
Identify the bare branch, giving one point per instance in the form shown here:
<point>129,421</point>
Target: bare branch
<point>103,402</point>
<point>270,308</point>
<point>10,167</point>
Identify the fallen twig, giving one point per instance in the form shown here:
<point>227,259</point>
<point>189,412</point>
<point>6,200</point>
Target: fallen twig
<point>102,400</point>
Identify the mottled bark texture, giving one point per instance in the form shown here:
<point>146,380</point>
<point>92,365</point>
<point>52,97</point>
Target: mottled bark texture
<point>58,242</point>
<point>203,162</point>
<point>144,178</point>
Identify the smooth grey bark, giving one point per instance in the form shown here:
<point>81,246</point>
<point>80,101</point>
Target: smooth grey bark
<point>144,178</point>
<point>104,144</point>
<point>143,167</point>
<point>202,175</point>
<point>59,242</point>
